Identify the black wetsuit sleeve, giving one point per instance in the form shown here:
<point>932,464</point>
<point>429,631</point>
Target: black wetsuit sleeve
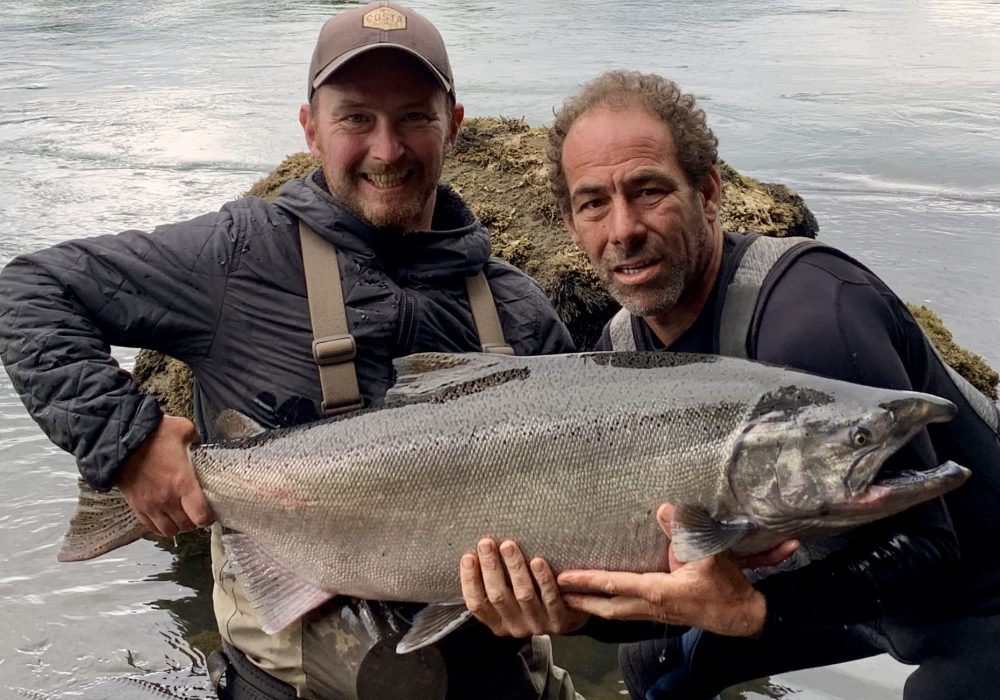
<point>832,318</point>
<point>62,308</point>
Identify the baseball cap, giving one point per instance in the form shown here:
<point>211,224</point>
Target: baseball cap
<point>378,25</point>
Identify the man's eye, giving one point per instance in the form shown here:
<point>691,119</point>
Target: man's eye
<point>355,119</point>
<point>416,117</point>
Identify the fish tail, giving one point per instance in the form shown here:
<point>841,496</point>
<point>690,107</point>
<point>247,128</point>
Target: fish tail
<point>103,521</point>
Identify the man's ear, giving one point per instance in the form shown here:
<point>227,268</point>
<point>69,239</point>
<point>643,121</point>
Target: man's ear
<point>309,129</point>
<point>711,194</point>
<point>457,115</point>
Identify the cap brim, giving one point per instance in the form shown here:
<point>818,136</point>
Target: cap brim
<point>349,56</point>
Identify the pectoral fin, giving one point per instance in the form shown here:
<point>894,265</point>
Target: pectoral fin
<point>433,623</point>
<point>278,596</point>
<point>697,534</point>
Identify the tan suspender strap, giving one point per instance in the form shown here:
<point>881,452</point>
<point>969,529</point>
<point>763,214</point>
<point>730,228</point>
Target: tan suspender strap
<point>485,316</point>
<point>333,346</point>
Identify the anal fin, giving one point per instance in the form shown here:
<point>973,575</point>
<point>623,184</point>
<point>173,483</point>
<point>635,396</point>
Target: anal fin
<point>277,595</point>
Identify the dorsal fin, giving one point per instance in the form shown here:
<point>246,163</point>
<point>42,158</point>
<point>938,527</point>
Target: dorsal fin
<point>233,425</point>
<point>441,376</point>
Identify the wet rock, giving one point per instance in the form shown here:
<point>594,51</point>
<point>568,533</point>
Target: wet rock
<point>166,379</point>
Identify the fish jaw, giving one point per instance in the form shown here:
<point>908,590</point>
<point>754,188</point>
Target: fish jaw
<point>885,497</point>
<point>893,494</point>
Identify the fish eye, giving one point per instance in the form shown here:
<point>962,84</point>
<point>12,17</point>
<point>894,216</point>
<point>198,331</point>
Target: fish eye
<point>860,437</point>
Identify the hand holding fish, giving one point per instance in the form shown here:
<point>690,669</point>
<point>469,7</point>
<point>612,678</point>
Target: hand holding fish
<point>711,593</point>
<point>159,482</point>
<point>510,599</point>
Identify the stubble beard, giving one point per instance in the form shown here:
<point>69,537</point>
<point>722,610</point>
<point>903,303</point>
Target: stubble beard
<point>648,301</point>
<point>399,213</point>
<point>662,294</point>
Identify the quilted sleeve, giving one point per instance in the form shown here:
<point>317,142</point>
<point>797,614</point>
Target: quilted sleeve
<point>62,308</point>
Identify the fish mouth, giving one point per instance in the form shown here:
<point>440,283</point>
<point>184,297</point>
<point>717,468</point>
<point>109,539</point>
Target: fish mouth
<point>908,415</point>
<point>892,494</point>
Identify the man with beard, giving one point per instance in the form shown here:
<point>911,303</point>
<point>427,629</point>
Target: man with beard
<point>227,294</point>
<point>634,168</point>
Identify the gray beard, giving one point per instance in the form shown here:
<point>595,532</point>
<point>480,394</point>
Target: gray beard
<point>644,304</point>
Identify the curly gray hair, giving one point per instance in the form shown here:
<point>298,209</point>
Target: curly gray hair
<point>697,146</point>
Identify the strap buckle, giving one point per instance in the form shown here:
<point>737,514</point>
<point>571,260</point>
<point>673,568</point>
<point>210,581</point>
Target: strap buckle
<point>335,408</point>
<point>334,349</point>
<point>498,348</point>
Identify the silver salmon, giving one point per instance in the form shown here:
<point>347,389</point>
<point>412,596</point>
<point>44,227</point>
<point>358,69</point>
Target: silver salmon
<point>569,455</point>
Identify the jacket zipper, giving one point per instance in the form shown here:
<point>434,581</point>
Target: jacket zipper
<point>404,340</point>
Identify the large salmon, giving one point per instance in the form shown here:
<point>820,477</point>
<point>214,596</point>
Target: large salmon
<point>570,455</point>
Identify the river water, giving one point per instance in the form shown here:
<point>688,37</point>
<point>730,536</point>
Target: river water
<point>884,116</point>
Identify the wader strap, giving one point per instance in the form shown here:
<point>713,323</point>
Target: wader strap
<point>485,316</point>
<point>622,337</point>
<point>740,303</point>
<point>333,347</point>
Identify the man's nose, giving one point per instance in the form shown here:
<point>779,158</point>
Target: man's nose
<point>385,144</point>
<point>627,226</point>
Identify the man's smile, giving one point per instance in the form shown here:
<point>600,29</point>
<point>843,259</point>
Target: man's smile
<point>387,180</point>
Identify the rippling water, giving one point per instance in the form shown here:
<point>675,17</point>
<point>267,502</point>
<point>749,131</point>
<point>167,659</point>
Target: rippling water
<point>884,116</point>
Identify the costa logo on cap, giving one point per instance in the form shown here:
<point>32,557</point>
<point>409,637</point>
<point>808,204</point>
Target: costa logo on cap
<point>384,18</point>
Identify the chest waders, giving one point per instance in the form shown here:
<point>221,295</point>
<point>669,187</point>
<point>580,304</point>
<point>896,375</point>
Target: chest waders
<point>349,653</point>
